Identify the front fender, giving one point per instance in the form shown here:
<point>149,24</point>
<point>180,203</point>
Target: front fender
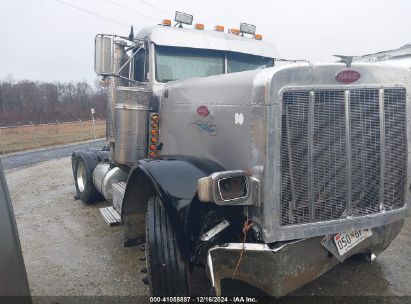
<point>174,179</point>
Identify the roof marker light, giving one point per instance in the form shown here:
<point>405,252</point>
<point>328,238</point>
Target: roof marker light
<point>234,31</point>
<point>258,37</point>
<point>166,22</point>
<point>219,28</point>
<point>199,26</point>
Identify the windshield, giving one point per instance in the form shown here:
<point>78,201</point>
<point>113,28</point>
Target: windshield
<point>174,63</point>
<point>237,62</point>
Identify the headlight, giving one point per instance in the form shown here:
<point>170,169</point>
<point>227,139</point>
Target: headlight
<point>229,188</point>
<point>232,187</point>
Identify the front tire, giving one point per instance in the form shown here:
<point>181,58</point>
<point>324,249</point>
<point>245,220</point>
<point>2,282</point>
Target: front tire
<point>168,273</point>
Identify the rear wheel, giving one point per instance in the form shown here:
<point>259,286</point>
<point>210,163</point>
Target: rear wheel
<point>84,164</point>
<point>168,273</point>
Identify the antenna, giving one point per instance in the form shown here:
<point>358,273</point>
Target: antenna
<point>131,35</point>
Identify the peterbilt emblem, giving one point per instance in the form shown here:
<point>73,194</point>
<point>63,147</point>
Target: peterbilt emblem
<point>348,76</point>
<point>202,111</point>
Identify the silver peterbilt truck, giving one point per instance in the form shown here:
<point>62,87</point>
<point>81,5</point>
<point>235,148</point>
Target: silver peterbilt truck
<point>220,158</point>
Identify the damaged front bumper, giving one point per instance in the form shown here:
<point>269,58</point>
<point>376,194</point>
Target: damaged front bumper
<point>280,268</point>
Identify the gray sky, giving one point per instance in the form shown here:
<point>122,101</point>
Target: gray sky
<point>46,40</point>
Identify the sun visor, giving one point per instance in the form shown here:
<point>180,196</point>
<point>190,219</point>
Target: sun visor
<point>191,38</point>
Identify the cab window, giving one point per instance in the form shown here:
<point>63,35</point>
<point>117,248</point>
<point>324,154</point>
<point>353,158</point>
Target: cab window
<point>141,65</point>
<point>238,62</point>
<point>174,63</point>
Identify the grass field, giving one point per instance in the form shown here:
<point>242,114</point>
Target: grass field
<point>20,138</point>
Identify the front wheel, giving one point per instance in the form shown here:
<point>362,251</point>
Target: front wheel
<point>168,273</point>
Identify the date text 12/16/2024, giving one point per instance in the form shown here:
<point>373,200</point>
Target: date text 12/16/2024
<point>201,299</point>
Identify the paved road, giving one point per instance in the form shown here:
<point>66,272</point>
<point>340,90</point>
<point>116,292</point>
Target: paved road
<point>20,159</point>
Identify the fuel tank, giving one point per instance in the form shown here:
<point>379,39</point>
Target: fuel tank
<point>131,123</point>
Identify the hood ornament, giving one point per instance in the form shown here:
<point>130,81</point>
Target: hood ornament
<point>345,59</point>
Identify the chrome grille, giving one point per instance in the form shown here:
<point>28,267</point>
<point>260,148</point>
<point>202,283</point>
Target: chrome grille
<point>340,155</point>
<point>329,155</point>
<point>365,151</point>
<point>395,148</point>
<point>294,159</point>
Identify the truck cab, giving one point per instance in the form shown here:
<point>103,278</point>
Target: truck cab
<point>171,54</point>
<point>219,158</point>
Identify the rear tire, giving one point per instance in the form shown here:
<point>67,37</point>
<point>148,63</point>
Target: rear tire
<point>84,164</point>
<point>167,272</point>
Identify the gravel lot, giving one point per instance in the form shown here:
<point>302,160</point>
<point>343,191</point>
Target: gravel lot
<point>70,250</point>
<point>67,247</point>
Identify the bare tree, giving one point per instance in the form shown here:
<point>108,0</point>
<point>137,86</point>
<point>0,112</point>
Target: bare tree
<point>41,102</point>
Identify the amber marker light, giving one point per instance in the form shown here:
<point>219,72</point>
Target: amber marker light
<point>199,26</point>
<point>154,125</point>
<point>234,31</point>
<point>154,117</point>
<point>153,147</point>
<point>153,154</point>
<point>154,132</point>
<point>219,28</point>
<point>153,139</point>
<point>166,22</point>
<point>258,37</point>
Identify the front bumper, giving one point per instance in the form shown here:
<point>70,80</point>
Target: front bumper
<point>283,267</point>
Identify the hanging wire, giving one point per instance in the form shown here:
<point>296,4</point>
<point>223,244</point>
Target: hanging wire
<point>154,7</point>
<point>177,7</point>
<point>131,10</point>
<point>92,13</point>
<point>173,3</point>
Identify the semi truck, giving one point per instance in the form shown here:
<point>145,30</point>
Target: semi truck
<point>219,157</point>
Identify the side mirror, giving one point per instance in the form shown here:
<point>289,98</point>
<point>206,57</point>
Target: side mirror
<point>229,188</point>
<point>103,55</point>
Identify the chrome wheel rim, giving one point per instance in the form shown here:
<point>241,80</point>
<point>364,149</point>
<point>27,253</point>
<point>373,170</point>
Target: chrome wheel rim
<point>81,176</point>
